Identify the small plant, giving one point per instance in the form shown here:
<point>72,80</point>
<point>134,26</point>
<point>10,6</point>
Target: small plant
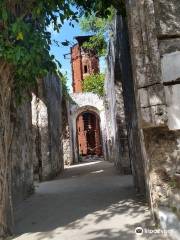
<point>64,80</point>
<point>174,209</point>
<point>80,158</point>
<point>173,183</point>
<point>94,83</point>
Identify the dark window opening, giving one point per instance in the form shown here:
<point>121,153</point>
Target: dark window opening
<point>85,69</point>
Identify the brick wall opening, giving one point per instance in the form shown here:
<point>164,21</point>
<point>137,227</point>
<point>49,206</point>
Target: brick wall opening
<point>88,134</point>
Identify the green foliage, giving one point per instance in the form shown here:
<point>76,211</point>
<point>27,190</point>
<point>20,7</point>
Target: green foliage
<point>24,37</point>
<point>100,25</point>
<point>94,83</point>
<point>173,183</point>
<point>80,158</point>
<point>96,42</point>
<point>64,80</point>
<point>174,209</point>
<point>101,29</point>
<point>94,24</point>
<point>99,7</point>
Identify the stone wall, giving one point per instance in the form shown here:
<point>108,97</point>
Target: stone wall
<point>66,141</point>
<point>47,128</point>
<point>146,64</point>
<point>37,138</point>
<point>122,71</point>
<point>67,154</point>
<point>117,142</point>
<point>154,34</point>
<point>21,152</point>
<point>163,149</point>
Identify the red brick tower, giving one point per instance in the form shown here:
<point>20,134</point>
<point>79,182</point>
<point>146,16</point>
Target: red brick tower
<point>83,63</point>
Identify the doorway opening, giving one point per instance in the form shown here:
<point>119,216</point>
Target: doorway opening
<point>88,134</point>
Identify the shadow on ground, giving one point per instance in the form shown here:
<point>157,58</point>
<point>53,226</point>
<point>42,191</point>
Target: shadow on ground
<point>90,201</point>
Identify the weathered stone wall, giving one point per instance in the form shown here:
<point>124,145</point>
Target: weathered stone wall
<point>21,152</point>
<point>117,142</point>
<point>66,141</point>
<point>163,149</point>
<point>37,138</point>
<point>154,34</point>
<point>47,128</point>
<point>123,74</point>
<point>154,38</point>
<point>67,152</point>
<point>147,64</point>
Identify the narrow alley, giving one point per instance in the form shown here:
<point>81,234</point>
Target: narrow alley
<point>90,201</point>
<point>89,120</point>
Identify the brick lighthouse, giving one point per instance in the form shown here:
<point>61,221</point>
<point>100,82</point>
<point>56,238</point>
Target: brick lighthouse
<point>85,63</point>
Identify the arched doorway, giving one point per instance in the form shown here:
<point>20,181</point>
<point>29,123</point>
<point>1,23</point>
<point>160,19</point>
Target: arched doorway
<point>88,134</point>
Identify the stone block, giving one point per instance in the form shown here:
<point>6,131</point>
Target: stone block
<point>167,17</point>
<point>140,73</point>
<point>153,116</point>
<point>146,119</point>
<point>47,127</point>
<point>21,153</point>
<point>156,94</point>
<point>159,115</point>
<point>143,97</point>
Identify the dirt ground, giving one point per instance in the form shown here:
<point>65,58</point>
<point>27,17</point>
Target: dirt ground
<point>90,201</point>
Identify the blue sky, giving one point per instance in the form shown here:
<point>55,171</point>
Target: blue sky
<point>67,33</point>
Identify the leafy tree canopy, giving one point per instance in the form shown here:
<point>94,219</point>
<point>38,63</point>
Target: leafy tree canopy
<point>94,83</point>
<point>100,27</point>
<point>24,39</point>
